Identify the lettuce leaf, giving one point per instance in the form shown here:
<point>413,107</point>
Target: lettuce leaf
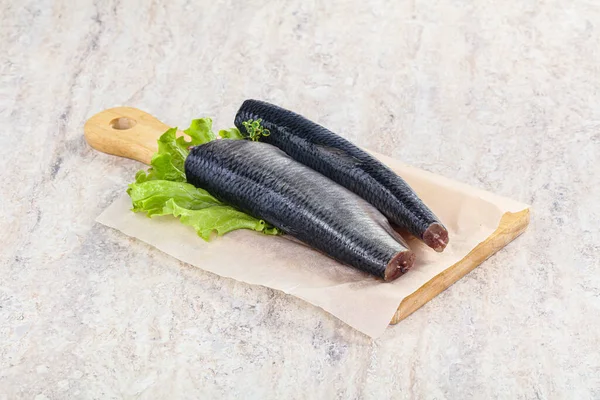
<point>232,133</point>
<point>151,196</point>
<point>221,219</point>
<point>193,206</point>
<point>200,131</point>
<point>168,162</point>
<point>163,189</point>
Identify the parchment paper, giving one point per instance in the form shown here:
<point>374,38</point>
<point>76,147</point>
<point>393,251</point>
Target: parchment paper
<point>363,302</point>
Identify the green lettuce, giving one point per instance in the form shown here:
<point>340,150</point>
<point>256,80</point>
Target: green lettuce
<point>163,190</point>
<point>233,133</point>
<point>168,162</point>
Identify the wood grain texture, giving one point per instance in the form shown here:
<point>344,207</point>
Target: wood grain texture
<point>125,132</point>
<point>132,133</point>
<point>511,226</point>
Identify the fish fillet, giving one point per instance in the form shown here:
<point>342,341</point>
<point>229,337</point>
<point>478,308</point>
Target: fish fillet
<point>348,165</point>
<point>263,181</point>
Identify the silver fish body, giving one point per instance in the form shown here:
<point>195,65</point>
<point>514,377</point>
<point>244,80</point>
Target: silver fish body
<point>343,162</point>
<point>263,181</point>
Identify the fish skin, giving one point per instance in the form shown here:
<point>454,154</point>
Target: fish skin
<point>348,165</point>
<point>263,181</point>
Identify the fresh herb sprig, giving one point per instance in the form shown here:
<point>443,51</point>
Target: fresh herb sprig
<point>255,130</point>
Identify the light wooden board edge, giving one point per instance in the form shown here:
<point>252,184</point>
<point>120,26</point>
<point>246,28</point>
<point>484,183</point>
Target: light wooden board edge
<point>510,227</point>
<point>125,132</point>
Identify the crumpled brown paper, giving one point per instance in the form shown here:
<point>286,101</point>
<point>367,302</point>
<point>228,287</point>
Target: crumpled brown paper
<point>363,302</point>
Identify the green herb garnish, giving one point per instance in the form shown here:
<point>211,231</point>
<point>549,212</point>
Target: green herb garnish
<point>255,130</point>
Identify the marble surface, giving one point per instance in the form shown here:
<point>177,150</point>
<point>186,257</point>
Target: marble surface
<point>504,96</point>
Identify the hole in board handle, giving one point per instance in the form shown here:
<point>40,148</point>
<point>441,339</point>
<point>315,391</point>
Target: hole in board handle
<point>122,123</point>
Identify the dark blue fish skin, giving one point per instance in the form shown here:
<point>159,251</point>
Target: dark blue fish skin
<point>263,181</point>
<point>348,165</point>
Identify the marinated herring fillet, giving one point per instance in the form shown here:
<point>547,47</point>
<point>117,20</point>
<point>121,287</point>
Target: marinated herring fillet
<point>263,181</point>
<point>346,164</point>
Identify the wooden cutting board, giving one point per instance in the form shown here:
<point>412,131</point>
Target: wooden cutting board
<point>132,133</point>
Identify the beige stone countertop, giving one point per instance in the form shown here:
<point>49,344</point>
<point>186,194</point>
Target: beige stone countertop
<point>504,96</point>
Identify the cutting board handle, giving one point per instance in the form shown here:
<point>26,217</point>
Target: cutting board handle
<point>125,132</point>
